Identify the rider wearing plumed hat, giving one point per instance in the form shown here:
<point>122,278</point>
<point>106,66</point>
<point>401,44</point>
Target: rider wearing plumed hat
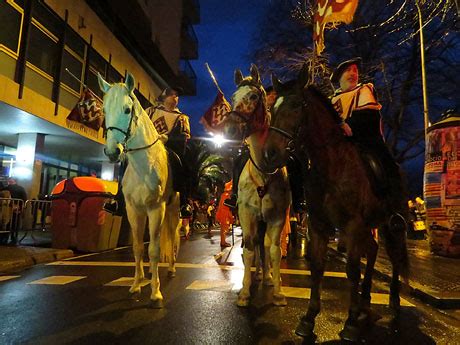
<point>359,109</point>
<point>172,123</point>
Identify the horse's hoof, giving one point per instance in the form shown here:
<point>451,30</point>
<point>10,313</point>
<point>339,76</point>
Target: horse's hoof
<point>242,302</point>
<point>135,289</point>
<point>368,316</point>
<point>305,329</point>
<point>279,300</point>
<point>156,304</point>
<point>350,333</point>
<point>171,274</point>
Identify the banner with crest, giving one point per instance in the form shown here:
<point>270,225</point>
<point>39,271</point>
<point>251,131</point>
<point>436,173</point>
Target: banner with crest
<point>87,115</point>
<point>213,118</point>
<point>330,11</point>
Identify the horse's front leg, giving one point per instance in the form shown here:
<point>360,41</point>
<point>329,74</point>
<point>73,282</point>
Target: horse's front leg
<point>355,240</point>
<point>156,218</point>
<point>366,285</point>
<point>249,226</point>
<point>137,223</point>
<point>274,233</point>
<point>318,257</point>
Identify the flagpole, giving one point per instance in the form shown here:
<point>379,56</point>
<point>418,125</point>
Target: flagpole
<point>426,118</point>
<point>213,77</point>
<point>75,77</point>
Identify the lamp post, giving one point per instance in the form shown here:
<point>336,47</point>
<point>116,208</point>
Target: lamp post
<point>422,58</point>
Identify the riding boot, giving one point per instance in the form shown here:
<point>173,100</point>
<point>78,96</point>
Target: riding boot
<point>295,175</point>
<point>238,164</point>
<point>116,206</point>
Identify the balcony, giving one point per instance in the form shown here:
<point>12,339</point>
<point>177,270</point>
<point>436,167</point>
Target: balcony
<point>188,42</point>
<point>191,10</point>
<point>187,78</point>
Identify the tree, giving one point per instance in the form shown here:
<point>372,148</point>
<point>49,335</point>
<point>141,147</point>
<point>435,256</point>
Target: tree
<point>385,35</point>
<point>208,175</point>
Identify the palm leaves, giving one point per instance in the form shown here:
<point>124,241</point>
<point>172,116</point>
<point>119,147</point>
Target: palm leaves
<point>208,174</point>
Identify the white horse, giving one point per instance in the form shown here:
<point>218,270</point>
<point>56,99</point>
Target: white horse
<point>147,184</point>
<point>262,197</point>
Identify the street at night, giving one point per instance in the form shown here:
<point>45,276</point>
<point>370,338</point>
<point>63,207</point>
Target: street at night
<point>152,150</point>
<point>85,300</point>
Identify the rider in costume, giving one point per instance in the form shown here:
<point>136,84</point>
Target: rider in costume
<point>359,109</point>
<point>168,121</point>
<point>171,122</point>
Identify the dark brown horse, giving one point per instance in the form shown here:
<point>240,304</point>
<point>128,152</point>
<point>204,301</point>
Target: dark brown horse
<point>339,194</point>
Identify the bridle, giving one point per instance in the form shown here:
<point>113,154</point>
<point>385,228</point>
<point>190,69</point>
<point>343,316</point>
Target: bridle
<point>127,134</point>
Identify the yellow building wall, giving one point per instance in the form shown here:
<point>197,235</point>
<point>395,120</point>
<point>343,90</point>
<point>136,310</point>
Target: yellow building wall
<point>38,105</point>
<point>104,42</point>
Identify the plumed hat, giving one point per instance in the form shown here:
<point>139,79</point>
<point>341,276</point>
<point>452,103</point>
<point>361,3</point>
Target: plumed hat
<point>170,91</point>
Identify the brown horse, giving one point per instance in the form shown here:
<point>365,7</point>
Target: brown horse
<point>339,194</point>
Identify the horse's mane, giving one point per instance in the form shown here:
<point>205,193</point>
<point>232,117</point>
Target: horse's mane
<point>325,101</point>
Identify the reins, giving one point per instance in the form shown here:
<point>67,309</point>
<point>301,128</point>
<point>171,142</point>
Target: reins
<point>261,190</point>
<point>127,135</point>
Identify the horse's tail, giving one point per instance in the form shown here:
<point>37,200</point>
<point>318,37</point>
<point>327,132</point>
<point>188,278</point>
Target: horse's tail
<point>396,248</point>
<point>170,233</point>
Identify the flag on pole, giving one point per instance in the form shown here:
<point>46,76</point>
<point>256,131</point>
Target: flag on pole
<point>87,115</point>
<point>213,118</point>
<point>330,11</point>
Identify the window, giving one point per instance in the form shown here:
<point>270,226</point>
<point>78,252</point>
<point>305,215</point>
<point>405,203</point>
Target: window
<point>44,16</point>
<point>93,84</point>
<point>75,66</point>
<point>113,76</point>
<point>43,51</point>
<point>11,26</point>
<point>75,42</point>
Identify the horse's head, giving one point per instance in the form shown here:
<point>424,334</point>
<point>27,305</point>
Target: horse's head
<point>119,113</point>
<point>248,106</point>
<point>286,117</point>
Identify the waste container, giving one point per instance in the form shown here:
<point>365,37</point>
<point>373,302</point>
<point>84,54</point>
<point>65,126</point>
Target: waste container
<point>78,220</point>
<point>442,186</point>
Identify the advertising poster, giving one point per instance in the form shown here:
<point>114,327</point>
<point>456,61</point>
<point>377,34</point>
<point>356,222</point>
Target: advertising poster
<point>442,189</point>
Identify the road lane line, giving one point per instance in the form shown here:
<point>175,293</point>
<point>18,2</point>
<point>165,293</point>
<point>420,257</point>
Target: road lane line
<point>185,265</point>
<point>57,280</point>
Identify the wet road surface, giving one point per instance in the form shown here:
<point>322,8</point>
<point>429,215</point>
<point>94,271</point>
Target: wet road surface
<point>85,300</point>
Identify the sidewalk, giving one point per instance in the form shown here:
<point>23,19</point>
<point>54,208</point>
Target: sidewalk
<point>28,253</point>
<point>433,279</point>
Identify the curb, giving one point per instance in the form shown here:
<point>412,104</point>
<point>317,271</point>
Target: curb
<point>35,259</point>
<point>434,298</point>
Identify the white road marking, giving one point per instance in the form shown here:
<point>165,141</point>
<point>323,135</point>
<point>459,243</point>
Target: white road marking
<point>126,281</point>
<point>211,285</point>
<point>5,278</point>
<point>186,265</point>
<point>57,280</point>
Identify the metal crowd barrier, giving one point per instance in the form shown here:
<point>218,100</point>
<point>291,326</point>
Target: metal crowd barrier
<point>17,215</point>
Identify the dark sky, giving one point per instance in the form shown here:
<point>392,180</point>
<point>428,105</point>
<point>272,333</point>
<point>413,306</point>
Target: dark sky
<point>224,36</point>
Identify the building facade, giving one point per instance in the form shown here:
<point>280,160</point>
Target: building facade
<point>50,54</point>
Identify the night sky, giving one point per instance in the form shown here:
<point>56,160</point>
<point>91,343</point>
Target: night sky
<point>224,36</point>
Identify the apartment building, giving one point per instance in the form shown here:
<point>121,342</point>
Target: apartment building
<point>50,54</point>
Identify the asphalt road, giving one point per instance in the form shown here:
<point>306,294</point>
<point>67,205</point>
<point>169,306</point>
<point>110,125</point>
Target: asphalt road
<point>85,300</point>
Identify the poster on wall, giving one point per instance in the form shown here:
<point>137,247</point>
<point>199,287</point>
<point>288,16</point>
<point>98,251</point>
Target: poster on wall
<point>442,187</point>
